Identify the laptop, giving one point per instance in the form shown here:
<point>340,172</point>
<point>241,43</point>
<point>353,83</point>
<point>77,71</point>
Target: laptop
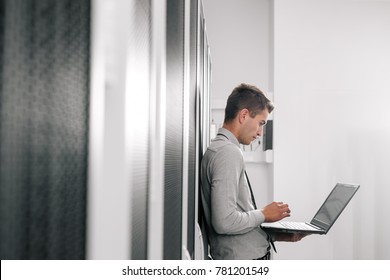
<point>325,217</point>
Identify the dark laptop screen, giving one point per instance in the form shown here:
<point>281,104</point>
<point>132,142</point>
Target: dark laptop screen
<point>334,205</point>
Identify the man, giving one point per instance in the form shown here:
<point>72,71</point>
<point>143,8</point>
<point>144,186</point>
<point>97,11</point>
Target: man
<point>232,220</point>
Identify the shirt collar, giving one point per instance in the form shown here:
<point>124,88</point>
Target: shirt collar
<point>227,134</point>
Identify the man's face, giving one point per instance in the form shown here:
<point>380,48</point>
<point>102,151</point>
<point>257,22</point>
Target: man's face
<point>251,128</point>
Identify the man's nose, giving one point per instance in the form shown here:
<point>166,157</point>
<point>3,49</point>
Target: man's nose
<point>259,131</point>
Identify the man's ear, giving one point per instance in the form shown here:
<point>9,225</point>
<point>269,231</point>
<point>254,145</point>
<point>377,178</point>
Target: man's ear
<point>242,115</point>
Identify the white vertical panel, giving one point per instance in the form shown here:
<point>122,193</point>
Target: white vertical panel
<point>109,193</point>
<point>157,131</point>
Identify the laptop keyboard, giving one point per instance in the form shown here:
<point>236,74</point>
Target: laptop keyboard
<point>297,225</point>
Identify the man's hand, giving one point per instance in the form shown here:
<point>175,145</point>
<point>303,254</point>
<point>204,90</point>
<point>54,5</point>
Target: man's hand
<point>289,237</point>
<point>275,211</point>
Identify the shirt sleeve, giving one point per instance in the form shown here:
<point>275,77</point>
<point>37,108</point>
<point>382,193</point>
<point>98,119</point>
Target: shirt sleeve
<point>224,175</point>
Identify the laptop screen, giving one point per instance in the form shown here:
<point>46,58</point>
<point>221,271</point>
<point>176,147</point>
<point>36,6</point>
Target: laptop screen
<point>334,205</point>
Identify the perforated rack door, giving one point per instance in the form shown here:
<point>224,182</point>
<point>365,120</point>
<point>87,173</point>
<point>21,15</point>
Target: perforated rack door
<point>44,54</point>
<point>174,130</point>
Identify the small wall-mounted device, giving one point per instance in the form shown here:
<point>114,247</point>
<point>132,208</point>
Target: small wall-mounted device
<point>267,135</point>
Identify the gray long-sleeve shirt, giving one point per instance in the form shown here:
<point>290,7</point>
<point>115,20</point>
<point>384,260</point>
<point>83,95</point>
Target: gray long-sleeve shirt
<point>232,222</point>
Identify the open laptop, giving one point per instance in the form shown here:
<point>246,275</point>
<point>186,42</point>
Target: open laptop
<point>326,216</point>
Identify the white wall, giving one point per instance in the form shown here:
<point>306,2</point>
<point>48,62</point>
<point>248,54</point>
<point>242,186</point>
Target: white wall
<point>238,33</point>
<point>332,121</point>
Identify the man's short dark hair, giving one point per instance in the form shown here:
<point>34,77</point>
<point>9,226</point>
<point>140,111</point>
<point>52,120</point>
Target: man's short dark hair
<point>246,97</point>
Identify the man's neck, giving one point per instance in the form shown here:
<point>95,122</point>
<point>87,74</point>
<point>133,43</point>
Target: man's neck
<point>232,128</point>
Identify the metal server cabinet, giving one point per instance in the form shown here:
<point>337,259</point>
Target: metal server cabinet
<point>44,97</point>
<point>148,69</point>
